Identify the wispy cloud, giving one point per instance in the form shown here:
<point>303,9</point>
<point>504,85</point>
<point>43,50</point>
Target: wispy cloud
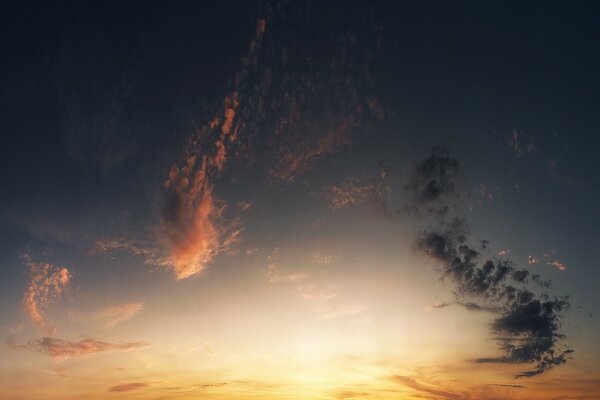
<point>59,349</point>
<point>274,273</point>
<point>427,389</point>
<point>46,283</point>
<point>324,258</point>
<point>111,316</point>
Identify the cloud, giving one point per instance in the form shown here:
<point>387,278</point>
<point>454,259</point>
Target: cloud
<point>317,291</point>
<point>46,284</point>
<point>558,265</point>
<point>373,193</point>
<point>116,314</point>
<point>189,228</point>
<point>532,260</point>
<point>324,259</point>
<point>503,253</point>
<point>515,142</point>
<point>192,228</point>
<point>274,274</point>
<point>526,326</point>
<point>300,107</point>
<point>128,387</point>
<point>293,160</point>
<point>428,389</point>
<point>431,181</point>
<point>59,349</point>
<point>484,191</point>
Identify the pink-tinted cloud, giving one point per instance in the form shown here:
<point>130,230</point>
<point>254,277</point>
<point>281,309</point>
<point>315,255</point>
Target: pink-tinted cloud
<point>349,194</point>
<point>558,265</point>
<point>317,291</point>
<point>59,349</point>
<point>291,161</point>
<point>374,193</point>
<point>111,316</point>
<point>191,228</point>
<point>128,387</point>
<point>515,143</point>
<point>532,260</point>
<point>46,284</point>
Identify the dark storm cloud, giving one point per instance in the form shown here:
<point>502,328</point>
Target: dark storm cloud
<point>526,325</point>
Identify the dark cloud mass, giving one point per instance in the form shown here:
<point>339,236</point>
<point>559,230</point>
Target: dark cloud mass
<point>433,177</point>
<point>526,325</point>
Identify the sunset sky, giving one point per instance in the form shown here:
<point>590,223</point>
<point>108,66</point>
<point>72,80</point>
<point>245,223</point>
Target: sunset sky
<point>300,200</point>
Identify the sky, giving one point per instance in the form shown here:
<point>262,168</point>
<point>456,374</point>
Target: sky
<point>299,200</point>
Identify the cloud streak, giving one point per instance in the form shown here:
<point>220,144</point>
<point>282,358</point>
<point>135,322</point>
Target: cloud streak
<point>112,316</point>
<point>128,387</point>
<point>60,349</point>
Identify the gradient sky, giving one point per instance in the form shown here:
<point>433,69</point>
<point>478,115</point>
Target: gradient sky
<point>300,200</point>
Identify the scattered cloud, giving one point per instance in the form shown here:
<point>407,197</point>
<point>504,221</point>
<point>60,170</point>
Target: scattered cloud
<point>373,193</point>
<point>111,316</point>
<point>46,283</point>
<point>516,143</point>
